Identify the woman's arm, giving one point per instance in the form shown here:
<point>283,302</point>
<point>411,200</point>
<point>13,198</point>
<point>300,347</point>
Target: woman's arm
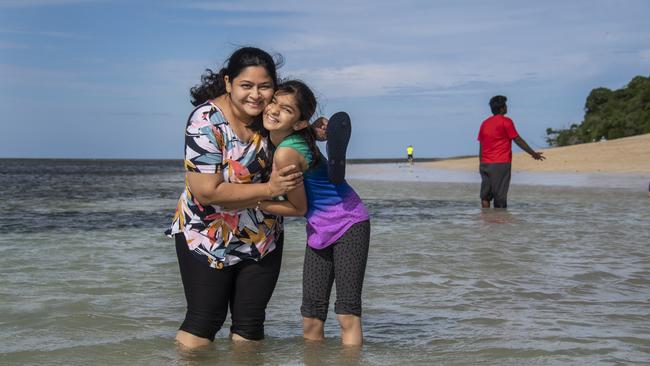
<point>296,203</point>
<point>210,189</point>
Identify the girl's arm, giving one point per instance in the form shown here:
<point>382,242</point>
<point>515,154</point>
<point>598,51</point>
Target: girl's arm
<point>296,203</point>
<point>210,189</point>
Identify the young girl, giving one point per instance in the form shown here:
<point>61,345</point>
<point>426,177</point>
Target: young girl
<point>338,226</point>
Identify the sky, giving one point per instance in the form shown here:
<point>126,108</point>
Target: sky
<point>111,78</point>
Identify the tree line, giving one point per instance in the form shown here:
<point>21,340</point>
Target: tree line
<point>609,114</point>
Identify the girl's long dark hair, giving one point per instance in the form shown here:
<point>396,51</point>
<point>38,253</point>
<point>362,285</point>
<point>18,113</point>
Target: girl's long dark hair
<point>306,102</point>
<point>213,84</point>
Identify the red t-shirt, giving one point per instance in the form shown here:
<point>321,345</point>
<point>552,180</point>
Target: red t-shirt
<point>495,135</point>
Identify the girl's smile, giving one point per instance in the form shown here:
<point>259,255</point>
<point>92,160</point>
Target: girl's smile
<point>282,114</point>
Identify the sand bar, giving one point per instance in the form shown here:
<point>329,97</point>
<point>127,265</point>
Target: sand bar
<point>622,163</point>
<point>625,155</point>
<point>403,173</point>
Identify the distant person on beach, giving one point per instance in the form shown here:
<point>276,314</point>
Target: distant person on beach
<point>495,153</point>
<point>229,255</point>
<point>409,154</point>
<point>338,226</point>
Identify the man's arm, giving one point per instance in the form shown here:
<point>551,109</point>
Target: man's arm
<point>524,146</point>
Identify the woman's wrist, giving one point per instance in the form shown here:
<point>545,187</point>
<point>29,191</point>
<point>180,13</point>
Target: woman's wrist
<point>269,191</point>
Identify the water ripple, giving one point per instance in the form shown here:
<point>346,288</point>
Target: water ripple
<point>558,278</point>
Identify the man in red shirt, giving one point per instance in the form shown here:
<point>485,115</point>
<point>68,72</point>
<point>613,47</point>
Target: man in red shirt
<point>495,153</point>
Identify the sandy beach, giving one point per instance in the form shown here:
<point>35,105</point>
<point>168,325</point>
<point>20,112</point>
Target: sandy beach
<point>625,155</point>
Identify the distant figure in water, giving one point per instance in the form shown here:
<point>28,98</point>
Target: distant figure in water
<point>495,153</point>
<point>409,155</point>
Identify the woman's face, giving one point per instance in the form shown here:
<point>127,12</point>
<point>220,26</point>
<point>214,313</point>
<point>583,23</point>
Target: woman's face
<point>282,114</point>
<point>250,91</point>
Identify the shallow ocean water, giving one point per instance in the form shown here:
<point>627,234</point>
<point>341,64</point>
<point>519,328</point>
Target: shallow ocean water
<point>560,278</point>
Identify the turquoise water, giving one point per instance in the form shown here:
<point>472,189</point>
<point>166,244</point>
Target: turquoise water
<point>560,278</point>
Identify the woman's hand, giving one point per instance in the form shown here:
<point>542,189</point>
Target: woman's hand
<point>210,189</point>
<point>284,180</point>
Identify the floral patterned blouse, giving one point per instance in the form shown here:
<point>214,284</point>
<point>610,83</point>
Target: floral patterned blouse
<point>219,236</point>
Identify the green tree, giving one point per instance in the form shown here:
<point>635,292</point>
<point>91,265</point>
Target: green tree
<point>609,114</point>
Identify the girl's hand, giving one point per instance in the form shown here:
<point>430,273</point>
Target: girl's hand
<point>284,180</point>
<point>320,128</point>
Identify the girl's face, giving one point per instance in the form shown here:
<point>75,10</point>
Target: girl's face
<point>282,114</point>
<point>250,91</point>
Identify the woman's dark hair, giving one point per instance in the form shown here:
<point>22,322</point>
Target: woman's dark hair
<point>213,84</point>
<point>497,102</point>
<point>306,102</point>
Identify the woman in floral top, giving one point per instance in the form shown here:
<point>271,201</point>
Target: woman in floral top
<point>229,255</point>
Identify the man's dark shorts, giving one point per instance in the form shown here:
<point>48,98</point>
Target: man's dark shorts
<point>495,181</point>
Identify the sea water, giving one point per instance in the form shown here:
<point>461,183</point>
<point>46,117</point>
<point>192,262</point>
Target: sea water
<point>562,277</point>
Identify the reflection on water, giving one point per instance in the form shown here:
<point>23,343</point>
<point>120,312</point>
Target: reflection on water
<point>561,277</point>
<point>497,216</point>
<point>273,351</point>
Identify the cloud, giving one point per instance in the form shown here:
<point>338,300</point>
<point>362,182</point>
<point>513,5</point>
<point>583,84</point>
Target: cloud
<point>63,82</point>
<point>51,34</point>
<point>138,114</point>
<point>11,45</point>
<point>245,6</point>
<point>124,80</point>
<point>439,77</point>
<point>37,3</point>
<point>182,73</point>
<point>32,75</point>
<point>645,55</point>
<point>325,43</point>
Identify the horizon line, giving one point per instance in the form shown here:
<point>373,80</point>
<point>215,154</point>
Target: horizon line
<point>350,160</point>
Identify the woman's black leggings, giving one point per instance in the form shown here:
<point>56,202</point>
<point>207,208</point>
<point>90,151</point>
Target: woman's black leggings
<point>246,287</point>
